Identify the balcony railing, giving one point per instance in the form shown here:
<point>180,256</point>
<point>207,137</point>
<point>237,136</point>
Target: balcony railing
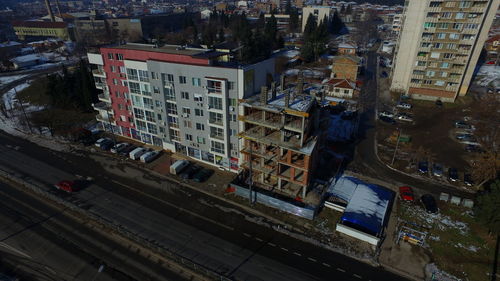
<point>216,136</point>
<point>214,90</point>
<point>104,97</point>
<point>217,122</point>
<point>99,72</point>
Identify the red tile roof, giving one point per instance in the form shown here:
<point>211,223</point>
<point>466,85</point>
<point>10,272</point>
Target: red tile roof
<point>342,83</point>
<point>39,24</point>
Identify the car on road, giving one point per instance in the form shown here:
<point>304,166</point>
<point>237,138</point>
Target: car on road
<point>190,171</point>
<point>429,203</point>
<point>118,147</point>
<point>202,175</point>
<point>468,180</point>
<point>149,156</point>
<point>406,194</point>
<point>387,119</point>
<point>404,105</point>
<point>423,167</point>
<point>453,174</point>
<point>137,153</point>
<point>68,186</point>
<point>437,169</point>
<point>386,114</point>
<point>404,117</point>
<point>384,74</point>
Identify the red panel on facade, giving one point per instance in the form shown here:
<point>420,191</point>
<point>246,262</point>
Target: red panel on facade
<point>159,56</point>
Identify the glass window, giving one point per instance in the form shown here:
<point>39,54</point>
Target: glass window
<point>187,123</point>
<point>465,4</point>
<point>445,65</point>
<point>435,55</point>
<point>134,87</point>
<point>200,140</point>
<point>169,94</point>
<point>148,103</point>
<point>198,112</point>
<point>230,85</point>
<point>198,97</point>
<point>143,76</point>
<point>459,16</point>
<point>454,36</point>
<point>171,108</point>
<point>214,102</point>
<point>217,147</point>
<point>185,95</point>
<point>119,56</point>
<point>152,129</point>
<point>122,69</point>
<point>216,132</point>
<point>215,117</point>
<point>196,82</point>
<point>141,125</point>
<point>186,110</point>
<point>182,79</point>
<point>132,74</point>
<point>200,126</point>
<point>440,35</point>
<point>150,116</point>
<point>189,137</point>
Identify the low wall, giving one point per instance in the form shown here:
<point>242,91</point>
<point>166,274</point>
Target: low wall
<point>357,234</point>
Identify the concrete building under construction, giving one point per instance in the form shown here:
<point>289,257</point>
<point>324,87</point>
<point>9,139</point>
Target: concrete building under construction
<point>280,139</point>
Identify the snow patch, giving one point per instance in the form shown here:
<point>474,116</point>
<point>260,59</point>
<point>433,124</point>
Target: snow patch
<point>488,75</point>
<point>4,80</point>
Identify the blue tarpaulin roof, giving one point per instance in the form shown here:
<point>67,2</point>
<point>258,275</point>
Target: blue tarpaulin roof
<point>367,204</point>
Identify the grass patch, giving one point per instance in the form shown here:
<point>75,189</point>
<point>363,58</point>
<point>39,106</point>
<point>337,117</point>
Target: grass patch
<point>465,252</point>
<point>35,93</point>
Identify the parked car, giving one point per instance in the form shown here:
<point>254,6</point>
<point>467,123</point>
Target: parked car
<point>107,144</point>
<point>473,148</point>
<point>423,167</point>
<point>386,114</point>
<point>384,74</point>
<point>468,180</point>
<point>137,153</point>
<point>68,186</point>
<point>202,175</point>
<point>437,170</point>
<point>404,105</point>
<point>387,119</point>
<point>101,141</point>
<point>453,174</point>
<point>178,166</point>
<point>429,203</point>
<point>118,147</point>
<point>406,193</point>
<point>464,136</point>
<point>149,156</point>
<point>189,172</point>
<point>404,117</point>
<point>125,151</point>
<point>464,125</point>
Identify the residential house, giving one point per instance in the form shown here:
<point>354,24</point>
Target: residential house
<point>345,67</point>
<point>341,88</point>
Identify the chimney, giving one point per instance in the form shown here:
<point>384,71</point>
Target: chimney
<point>282,82</point>
<point>263,95</point>
<point>273,90</point>
<point>287,99</point>
<point>49,10</point>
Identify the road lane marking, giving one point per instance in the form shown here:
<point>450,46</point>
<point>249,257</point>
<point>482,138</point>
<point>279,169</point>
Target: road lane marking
<point>297,254</point>
<point>258,239</point>
<point>19,252</point>
<point>271,244</point>
<point>284,249</point>
<point>325,264</point>
<point>176,207</point>
<point>246,234</point>
<point>311,259</point>
<point>357,276</point>
<point>340,269</point>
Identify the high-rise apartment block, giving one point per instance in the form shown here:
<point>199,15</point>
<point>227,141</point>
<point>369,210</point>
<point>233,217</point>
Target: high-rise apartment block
<point>176,98</point>
<point>439,46</point>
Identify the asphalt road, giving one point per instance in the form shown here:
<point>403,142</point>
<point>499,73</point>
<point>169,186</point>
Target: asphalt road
<point>208,231</point>
<point>40,242</point>
<point>365,159</point>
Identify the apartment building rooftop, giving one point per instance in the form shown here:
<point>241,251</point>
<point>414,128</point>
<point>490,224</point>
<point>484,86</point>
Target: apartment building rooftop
<point>301,103</point>
<point>172,49</point>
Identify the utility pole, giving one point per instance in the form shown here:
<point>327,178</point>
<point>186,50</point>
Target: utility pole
<point>24,112</point>
<point>396,150</point>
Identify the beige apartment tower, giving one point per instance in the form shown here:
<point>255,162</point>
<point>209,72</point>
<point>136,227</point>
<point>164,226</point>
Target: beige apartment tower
<point>439,46</point>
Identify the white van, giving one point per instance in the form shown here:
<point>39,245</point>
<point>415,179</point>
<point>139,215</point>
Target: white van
<point>138,152</point>
<point>149,156</point>
<point>178,166</point>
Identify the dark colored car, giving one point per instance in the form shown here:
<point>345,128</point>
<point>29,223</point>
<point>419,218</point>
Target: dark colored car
<point>468,180</point>
<point>423,166</point>
<point>202,175</point>
<point>429,203</point>
<point>67,186</point>
<point>107,144</point>
<point>190,171</point>
<point>453,174</point>
<point>127,150</point>
<point>406,193</point>
<point>473,148</point>
<point>387,119</point>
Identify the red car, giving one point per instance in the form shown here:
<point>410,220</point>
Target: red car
<point>68,186</point>
<point>406,193</point>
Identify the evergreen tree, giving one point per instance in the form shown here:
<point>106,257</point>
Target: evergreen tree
<point>294,20</point>
<point>221,36</point>
<point>310,28</point>
<point>488,207</point>
<point>288,7</point>
<point>271,30</point>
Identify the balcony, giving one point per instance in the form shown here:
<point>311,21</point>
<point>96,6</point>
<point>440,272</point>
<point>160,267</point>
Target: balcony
<point>216,122</point>
<point>100,85</point>
<point>217,136</point>
<point>99,73</point>
<point>105,119</point>
<point>273,122</point>
<point>101,106</point>
<point>104,97</point>
<point>214,90</point>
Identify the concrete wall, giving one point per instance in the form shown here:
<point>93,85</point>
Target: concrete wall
<point>357,234</point>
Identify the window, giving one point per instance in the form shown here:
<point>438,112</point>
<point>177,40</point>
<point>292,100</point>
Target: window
<point>171,108</point>
<point>132,74</point>
<point>115,81</point>
<point>145,90</point>
<point>196,82</point>
<point>454,36</point>
<point>122,69</point>
<point>215,103</point>
<point>143,76</point>
<point>198,97</point>
<point>447,56</point>
<point>186,110</point>
<point>200,126</point>
<point>158,116</point>
<point>458,26</point>
<point>119,56</point>
<point>445,65</point>
<point>346,91</point>
<point>200,140</point>
<point>215,118</point>
<point>121,107</point>
<point>185,95</point>
<point>443,25</point>
<point>169,94</point>
<point>230,85</point>
<point>430,73</point>
<point>123,118</point>
<point>117,94</point>
<point>148,103</point>
<point>217,147</point>
<point>174,135</point>
<point>141,125</point>
<point>187,123</point>
<point>182,79</point>
<point>150,116</point>
<point>468,37</point>
<point>451,46</point>
<point>438,45</point>
<point>427,82</point>
<point>429,24</point>
<point>459,16</point>
<point>156,90</point>
<point>134,88</point>
<point>472,26</point>
<point>216,132</point>
<point>113,68</point>
<point>152,129</point>
<point>465,4</point>
<point>198,112</point>
<point>232,132</point>
<point>439,83</point>
<point>435,55</point>
<point>232,117</point>
<point>450,4</point>
<point>173,121</point>
<point>154,75</point>
<point>440,35</point>
<point>232,102</point>
<point>446,15</point>
<point>189,137</point>
<point>444,74</point>
<point>421,63</point>
<point>435,4</point>
<point>138,113</point>
<point>110,56</point>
